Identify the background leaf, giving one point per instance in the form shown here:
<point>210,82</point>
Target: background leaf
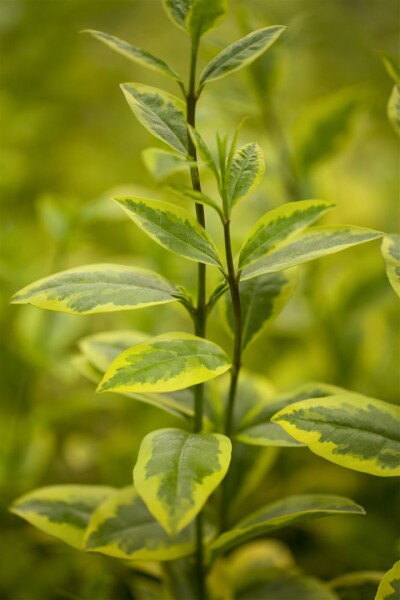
<point>165,363</point>
<point>96,289</point>
<point>350,430</point>
<point>391,253</point>
<point>261,299</point>
<point>176,472</point>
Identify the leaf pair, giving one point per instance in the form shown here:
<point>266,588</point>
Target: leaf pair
<point>280,240</point>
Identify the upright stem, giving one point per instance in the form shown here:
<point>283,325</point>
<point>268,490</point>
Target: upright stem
<point>200,315</point>
<point>237,317</point>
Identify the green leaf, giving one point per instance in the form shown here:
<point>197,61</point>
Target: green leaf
<point>391,253</point>
<point>176,471</point>
<point>389,588</point>
<point>282,513</point>
<point>259,405</point>
<point>96,289</point>
<point>123,527</point>
<point>198,197</point>
<point>160,113</point>
<point>204,151</point>
<point>358,585</point>
<point>204,15</point>
<point>261,299</point>
<point>100,349</point>
<point>278,225</point>
<point>283,585</point>
<point>178,10</point>
<point>246,172</point>
<point>392,65</point>
<point>324,127</point>
<point>172,227</point>
<point>162,163</point>
<point>168,362</point>
<point>62,510</point>
<point>309,245</point>
<point>348,429</point>
<point>393,108</point>
<point>137,55</point>
<point>241,53</point>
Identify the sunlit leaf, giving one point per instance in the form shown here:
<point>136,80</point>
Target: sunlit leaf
<point>172,227</point>
<point>168,362</point>
<point>389,588</point>
<point>278,225</point>
<point>348,429</point>
<point>282,513</point>
<point>96,289</point>
<point>98,352</point>
<point>123,527</point>
<point>391,253</point>
<point>240,53</point>
<point>177,10</point>
<point>137,55</point>
<point>176,471</point>
<point>261,299</point>
<point>308,245</point>
<point>245,173</point>
<point>160,113</point>
<point>63,511</point>
<point>254,426</point>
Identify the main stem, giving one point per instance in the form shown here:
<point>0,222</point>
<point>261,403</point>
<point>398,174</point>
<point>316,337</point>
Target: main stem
<point>200,315</point>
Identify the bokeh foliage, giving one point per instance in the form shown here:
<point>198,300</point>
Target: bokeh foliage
<point>317,106</point>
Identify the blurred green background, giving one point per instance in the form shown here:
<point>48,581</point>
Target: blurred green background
<point>317,103</point>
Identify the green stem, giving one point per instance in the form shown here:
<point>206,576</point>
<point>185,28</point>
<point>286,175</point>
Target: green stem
<point>233,282</point>
<point>201,308</point>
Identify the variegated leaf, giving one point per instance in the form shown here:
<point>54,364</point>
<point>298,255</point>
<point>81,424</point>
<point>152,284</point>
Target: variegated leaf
<point>196,196</point>
<point>137,55</point>
<point>166,363</point>
<point>309,245</point>
<point>123,527</point>
<point>245,173</point>
<point>283,513</point>
<point>391,253</point>
<point>177,10</point>
<point>96,289</point>
<point>258,404</point>
<point>172,227</point>
<point>261,299</point>
<point>160,113</point>
<point>348,429</point>
<point>98,352</point>
<point>176,471</point>
<point>63,511</point>
<point>204,151</point>
<point>392,65</point>
<point>389,588</point>
<point>240,53</point>
<point>279,225</point>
